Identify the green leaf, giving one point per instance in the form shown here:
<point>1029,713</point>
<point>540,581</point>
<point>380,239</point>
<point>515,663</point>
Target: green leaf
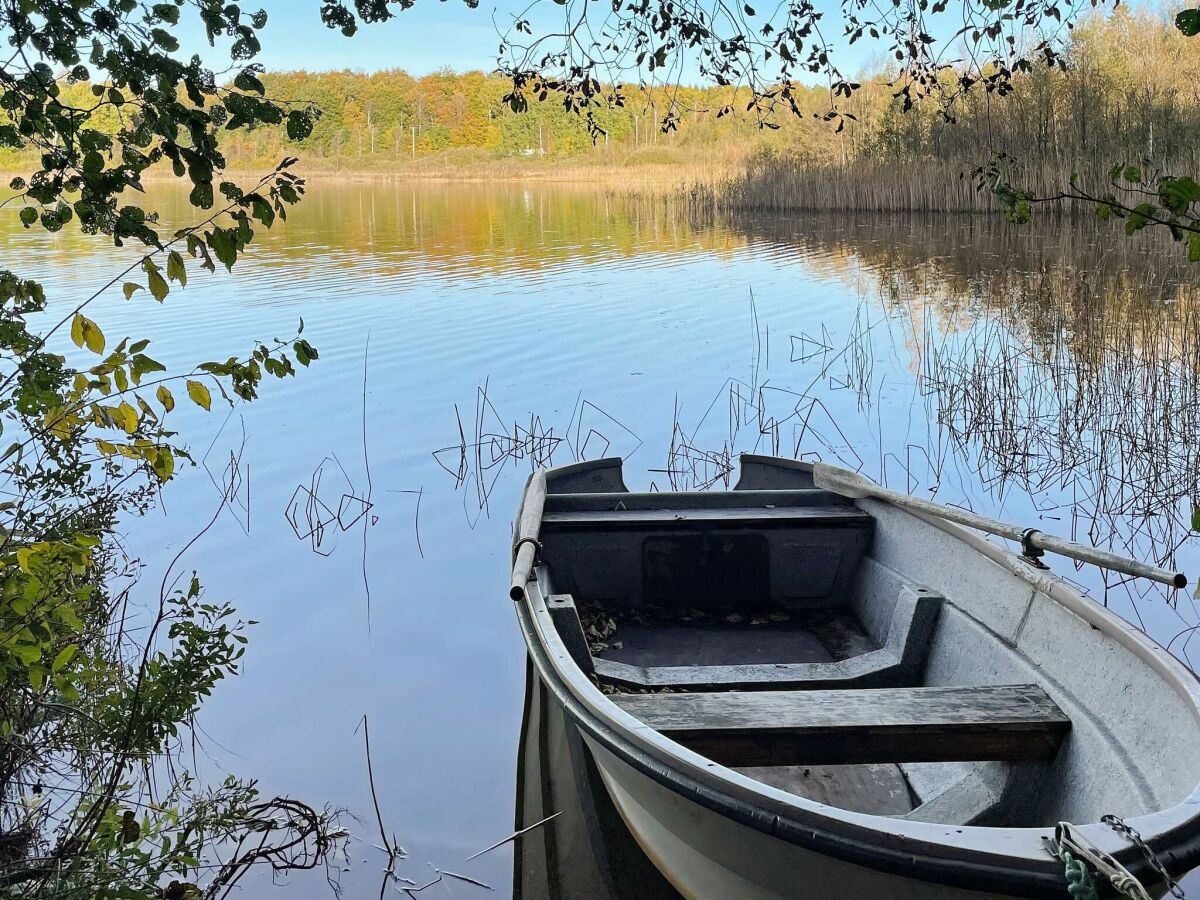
<point>199,394</point>
<point>129,287</point>
<point>64,656</point>
<point>165,397</point>
<point>262,210</point>
<point>1177,194</point>
<point>222,241</point>
<point>305,352</point>
<point>299,126</point>
<point>1140,217</point>
<point>66,613</point>
<point>158,284</point>
<point>1196,518</point>
<point>93,336</point>
<point>202,195</point>
<point>85,332</point>
<point>247,80</point>
<point>28,216</point>
<point>1194,247</point>
<point>126,417</point>
<point>175,268</point>
<point>168,12</point>
<point>27,653</point>
<point>1188,22</point>
<point>1132,174</point>
<point>164,463</point>
<point>144,365</point>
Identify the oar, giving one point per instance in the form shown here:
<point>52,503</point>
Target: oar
<point>851,484</point>
<point>525,543</point>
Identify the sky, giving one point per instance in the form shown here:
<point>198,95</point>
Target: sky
<point>434,34</point>
<point>439,34</point>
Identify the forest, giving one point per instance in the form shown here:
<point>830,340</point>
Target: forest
<point>1129,93</point>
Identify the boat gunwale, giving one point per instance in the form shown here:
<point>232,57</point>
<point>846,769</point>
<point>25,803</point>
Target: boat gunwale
<point>911,849</point>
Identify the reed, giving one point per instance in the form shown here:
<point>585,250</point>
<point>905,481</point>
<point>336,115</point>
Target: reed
<point>789,183</point>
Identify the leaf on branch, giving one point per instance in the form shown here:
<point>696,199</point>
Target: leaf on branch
<point>200,394</point>
<point>1188,22</point>
<point>1140,217</point>
<point>1194,247</point>
<point>27,653</point>
<point>165,397</point>
<point>158,285</point>
<point>128,289</point>
<point>1177,194</point>
<point>126,416</point>
<point>64,657</point>
<point>305,352</point>
<point>175,268</point>
<point>143,365</point>
<point>130,829</point>
<point>163,463</point>
<point>299,124</point>
<point>85,332</point>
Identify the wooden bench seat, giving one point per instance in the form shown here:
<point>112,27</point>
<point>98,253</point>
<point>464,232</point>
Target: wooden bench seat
<point>690,500</point>
<point>928,724</point>
<point>755,516</point>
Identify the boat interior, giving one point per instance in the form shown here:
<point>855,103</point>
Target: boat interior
<point>770,630</point>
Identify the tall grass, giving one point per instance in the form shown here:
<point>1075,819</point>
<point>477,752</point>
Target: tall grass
<point>783,183</point>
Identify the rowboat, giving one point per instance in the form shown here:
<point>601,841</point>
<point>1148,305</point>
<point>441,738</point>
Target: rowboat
<point>811,686</point>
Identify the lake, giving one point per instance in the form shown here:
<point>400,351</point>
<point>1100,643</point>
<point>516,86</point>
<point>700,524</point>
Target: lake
<point>1044,374</point>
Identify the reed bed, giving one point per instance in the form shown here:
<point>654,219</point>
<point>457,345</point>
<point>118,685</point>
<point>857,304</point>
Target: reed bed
<point>775,183</point>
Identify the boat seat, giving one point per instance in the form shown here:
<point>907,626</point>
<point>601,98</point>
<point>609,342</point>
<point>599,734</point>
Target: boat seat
<point>897,663</point>
<point>925,724</point>
<point>741,516</point>
<point>690,500</point>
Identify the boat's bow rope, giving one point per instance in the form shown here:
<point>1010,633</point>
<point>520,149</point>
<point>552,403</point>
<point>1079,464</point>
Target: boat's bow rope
<point>1081,858</point>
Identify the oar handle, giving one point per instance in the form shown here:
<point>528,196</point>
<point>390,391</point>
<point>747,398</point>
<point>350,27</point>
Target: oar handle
<point>525,541</point>
<point>1106,559</point>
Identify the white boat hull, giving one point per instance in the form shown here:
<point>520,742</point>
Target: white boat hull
<point>708,856</point>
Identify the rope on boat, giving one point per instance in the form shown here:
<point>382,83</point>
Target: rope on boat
<point>1079,880</point>
<point>1081,858</point>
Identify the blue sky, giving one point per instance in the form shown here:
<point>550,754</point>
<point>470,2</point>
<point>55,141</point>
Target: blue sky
<point>432,35</point>
<point>438,34</point>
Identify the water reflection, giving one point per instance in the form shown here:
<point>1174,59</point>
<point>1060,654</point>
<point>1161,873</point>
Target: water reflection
<point>1047,375</point>
<point>581,848</point>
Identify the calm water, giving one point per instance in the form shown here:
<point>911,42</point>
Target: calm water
<point>465,331</point>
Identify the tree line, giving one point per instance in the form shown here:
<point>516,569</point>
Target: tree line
<point>1129,92</point>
